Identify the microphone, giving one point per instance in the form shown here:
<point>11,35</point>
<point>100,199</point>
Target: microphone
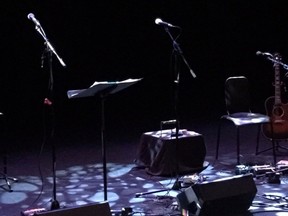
<point>264,54</point>
<point>159,21</point>
<point>33,19</point>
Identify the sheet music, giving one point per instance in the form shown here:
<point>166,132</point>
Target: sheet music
<point>115,82</point>
<point>97,87</point>
<point>72,93</point>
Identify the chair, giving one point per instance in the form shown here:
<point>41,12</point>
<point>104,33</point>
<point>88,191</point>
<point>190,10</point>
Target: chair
<point>238,111</point>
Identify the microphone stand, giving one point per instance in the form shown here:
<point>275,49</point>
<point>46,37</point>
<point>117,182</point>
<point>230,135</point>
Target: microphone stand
<point>177,51</point>
<point>48,102</point>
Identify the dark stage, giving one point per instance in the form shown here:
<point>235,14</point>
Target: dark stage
<point>80,175</point>
<point>182,64</point>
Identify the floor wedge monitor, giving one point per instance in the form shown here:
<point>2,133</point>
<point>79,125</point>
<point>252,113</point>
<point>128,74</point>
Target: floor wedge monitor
<point>98,209</point>
<point>227,196</point>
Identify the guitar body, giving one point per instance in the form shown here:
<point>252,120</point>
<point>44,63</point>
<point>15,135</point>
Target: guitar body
<point>278,114</point>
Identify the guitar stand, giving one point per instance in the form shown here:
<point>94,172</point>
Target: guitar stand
<point>278,146</point>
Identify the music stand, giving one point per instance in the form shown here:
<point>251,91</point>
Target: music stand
<point>102,89</point>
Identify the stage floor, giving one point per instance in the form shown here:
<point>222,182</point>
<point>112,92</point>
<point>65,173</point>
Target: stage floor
<point>79,174</point>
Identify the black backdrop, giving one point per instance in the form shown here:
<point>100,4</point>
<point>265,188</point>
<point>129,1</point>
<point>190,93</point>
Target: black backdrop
<point>115,40</point>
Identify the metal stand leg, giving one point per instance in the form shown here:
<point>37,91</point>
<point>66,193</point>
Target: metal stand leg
<point>7,185</point>
<point>103,148</point>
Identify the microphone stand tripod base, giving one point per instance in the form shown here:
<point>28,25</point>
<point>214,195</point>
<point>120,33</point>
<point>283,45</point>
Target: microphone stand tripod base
<point>7,179</point>
<point>55,205</point>
<point>177,185</point>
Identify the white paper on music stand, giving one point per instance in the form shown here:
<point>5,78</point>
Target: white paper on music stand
<point>100,86</point>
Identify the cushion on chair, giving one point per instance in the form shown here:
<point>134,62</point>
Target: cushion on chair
<point>245,118</point>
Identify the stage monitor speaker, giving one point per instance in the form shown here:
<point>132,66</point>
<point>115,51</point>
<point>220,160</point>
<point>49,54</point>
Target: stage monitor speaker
<point>226,196</point>
<point>99,209</point>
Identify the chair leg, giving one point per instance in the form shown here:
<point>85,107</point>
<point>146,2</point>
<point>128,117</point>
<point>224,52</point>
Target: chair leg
<point>218,140</point>
<point>238,145</point>
<point>258,138</point>
<point>274,149</point>
<point>273,143</point>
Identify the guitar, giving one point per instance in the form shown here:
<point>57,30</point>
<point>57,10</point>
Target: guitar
<point>276,110</point>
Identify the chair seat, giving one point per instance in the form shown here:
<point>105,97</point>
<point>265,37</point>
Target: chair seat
<point>245,118</point>
<point>239,113</point>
